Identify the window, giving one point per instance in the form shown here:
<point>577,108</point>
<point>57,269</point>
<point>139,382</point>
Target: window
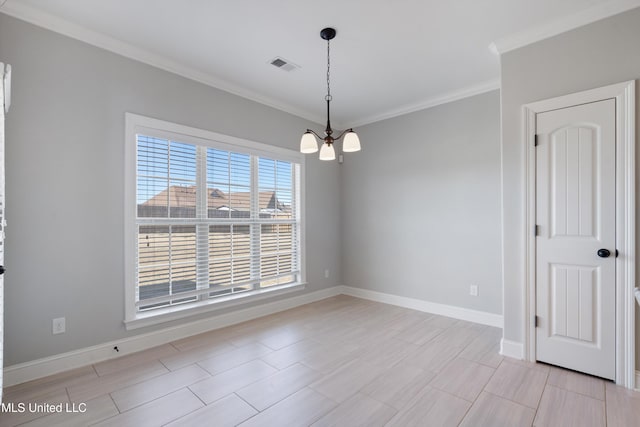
<point>210,219</point>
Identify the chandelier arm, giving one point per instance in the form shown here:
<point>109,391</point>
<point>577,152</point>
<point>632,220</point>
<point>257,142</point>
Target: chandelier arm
<point>343,133</point>
<point>317,136</point>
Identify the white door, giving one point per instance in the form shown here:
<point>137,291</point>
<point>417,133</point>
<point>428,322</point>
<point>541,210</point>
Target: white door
<point>575,243</point>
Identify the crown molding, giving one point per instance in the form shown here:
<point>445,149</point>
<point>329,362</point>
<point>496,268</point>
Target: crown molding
<point>445,98</point>
<point>50,22</point>
<point>559,26</point>
<point>42,19</point>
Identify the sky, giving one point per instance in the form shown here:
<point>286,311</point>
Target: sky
<point>162,162</point>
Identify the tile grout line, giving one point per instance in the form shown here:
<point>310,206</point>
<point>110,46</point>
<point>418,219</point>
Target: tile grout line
<point>248,403</point>
<point>167,368</point>
<point>114,404</point>
<point>198,397</point>
<point>605,405</point>
<point>66,389</point>
<point>576,392</point>
<point>528,368</point>
<point>546,382</point>
<point>483,390</point>
<point>158,397</point>
<point>197,409</point>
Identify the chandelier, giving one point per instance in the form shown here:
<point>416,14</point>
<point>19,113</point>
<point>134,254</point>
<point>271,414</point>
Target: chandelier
<point>308,143</point>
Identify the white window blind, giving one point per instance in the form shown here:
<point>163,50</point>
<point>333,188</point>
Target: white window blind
<point>212,222</point>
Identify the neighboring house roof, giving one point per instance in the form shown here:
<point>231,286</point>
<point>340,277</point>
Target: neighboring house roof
<point>185,196</point>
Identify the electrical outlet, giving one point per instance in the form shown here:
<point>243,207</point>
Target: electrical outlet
<point>59,325</point>
<point>326,273</point>
<point>473,290</point>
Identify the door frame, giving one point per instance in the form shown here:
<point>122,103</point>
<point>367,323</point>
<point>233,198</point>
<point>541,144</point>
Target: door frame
<point>624,95</point>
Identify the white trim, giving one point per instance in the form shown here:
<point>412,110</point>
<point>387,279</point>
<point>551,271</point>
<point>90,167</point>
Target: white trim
<point>445,98</point>
<point>167,314</point>
<point>469,315</point>
<point>637,387</point>
<point>136,124</point>
<point>43,19</point>
<point>5,98</point>
<point>23,372</point>
<point>53,23</point>
<point>624,94</point>
<point>39,368</point>
<point>50,22</point>
<point>130,252</point>
<point>626,233</point>
<point>512,349</point>
<point>5,73</point>
<point>534,34</point>
<point>529,298</point>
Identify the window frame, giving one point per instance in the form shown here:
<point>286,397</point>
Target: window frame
<point>136,124</point>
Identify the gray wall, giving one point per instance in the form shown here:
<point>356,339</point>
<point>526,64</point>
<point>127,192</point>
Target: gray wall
<point>416,213</point>
<point>599,54</point>
<point>64,174</point>
<point>421,205</point>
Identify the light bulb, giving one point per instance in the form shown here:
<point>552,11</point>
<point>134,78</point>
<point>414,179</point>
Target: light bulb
<point>308,143</point>
<point>327,152</point>
<point>351,142</point>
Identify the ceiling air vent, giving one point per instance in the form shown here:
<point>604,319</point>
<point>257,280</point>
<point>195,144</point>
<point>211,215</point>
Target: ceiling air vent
<point>283,64</point>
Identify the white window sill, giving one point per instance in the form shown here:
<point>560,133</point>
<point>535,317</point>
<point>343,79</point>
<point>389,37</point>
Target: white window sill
<point>167,314</point>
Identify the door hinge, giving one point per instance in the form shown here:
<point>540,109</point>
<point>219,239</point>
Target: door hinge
<point>535,140</point>
<point>536,321</point>
<point>536,230</point>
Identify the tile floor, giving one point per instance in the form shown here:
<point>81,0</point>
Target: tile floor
<point>342,361</point>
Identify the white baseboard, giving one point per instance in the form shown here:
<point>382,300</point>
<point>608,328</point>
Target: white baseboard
<point>23,372</point>
<point>39,368</point>
<point>469,315</point>
<point>513,349</point>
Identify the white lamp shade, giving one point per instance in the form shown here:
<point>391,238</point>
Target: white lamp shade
<point>351,142</point>
<point>308,143</point>
<point>327,152</point>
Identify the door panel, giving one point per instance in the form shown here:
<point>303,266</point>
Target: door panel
<point>572,169</point>
<point>575,211</point>
<point>578,284</point>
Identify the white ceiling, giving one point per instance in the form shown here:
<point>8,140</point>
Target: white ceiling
<point>389,57</point>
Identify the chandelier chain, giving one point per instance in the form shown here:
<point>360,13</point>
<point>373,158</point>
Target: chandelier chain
<point>328,97</point>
